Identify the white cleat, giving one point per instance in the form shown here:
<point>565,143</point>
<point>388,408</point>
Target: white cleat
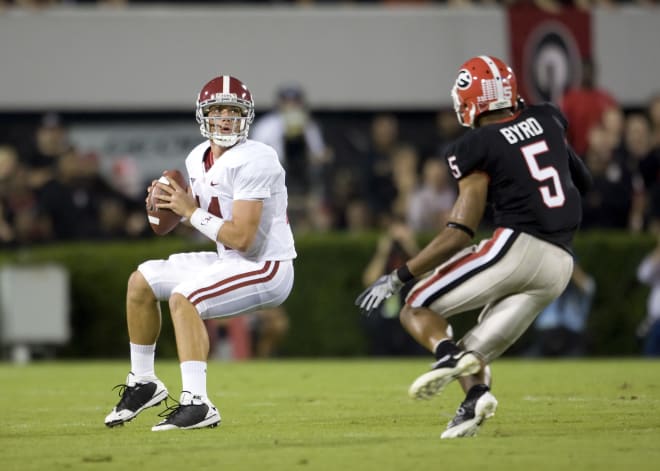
<point>470,416</point>
<point>443,372</point>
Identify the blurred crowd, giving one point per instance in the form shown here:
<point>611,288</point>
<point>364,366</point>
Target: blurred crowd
<point>360,178</point>
<point>49,191</point>
<point>357,176</point>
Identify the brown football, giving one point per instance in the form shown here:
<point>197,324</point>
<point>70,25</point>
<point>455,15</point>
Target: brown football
<point>162,220</point>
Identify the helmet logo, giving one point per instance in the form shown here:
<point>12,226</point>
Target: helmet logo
<point>464,79</point>
<point>222,97</point>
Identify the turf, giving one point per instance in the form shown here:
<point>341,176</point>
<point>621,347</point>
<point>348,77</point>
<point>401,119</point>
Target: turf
<point>338,415</point>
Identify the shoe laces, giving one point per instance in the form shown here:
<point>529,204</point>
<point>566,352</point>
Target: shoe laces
<point>126,392</point>
<point>172,410</point>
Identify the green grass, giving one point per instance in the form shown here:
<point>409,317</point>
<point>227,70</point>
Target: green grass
<point>338,415</point>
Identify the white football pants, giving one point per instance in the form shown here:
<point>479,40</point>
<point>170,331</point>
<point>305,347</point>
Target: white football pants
<point>513,276</point>
<point>220,286</point>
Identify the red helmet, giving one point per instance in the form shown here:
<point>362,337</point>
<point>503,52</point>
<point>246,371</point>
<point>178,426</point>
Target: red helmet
<point>225,91</point>
<point>484,83</point>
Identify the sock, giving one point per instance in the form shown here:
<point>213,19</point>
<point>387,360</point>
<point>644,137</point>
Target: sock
<point>142,360</point>
<point>445,347</point>
<point>476,391</point>
<point>193,377</point>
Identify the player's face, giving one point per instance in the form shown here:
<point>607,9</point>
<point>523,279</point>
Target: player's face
<point>225,119</point>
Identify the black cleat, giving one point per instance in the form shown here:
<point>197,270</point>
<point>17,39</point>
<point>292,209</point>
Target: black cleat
<point>135,397</point>
<point>190,412</point>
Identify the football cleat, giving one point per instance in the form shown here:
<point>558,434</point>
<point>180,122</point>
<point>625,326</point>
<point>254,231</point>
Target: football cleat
<point>472,412</point>
<point>136,395</point>
<point>190,412</point>
<point>443,372</point>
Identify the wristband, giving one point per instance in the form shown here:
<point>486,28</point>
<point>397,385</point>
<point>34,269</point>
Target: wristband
<point>461,227</point>
<point>206,223</point>
<point>404,274</point>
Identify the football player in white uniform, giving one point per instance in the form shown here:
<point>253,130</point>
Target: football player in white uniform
<point>236,197</point>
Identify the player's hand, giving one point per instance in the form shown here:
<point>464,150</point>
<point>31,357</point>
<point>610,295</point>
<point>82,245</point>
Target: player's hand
<point>380,290</point>
<point>176,198</point>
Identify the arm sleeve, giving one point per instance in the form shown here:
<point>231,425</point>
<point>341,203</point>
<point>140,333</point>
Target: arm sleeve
<point>579,172</point>
<point>254,180</point>
<point>465,155</point>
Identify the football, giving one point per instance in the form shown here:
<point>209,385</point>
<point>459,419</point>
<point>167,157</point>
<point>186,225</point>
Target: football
<point>162,220</point>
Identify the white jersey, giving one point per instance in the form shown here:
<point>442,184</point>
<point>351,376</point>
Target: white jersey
<point>248,171</point>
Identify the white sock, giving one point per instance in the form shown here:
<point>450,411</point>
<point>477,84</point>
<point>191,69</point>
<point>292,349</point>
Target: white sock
<point>193,377</point>
<point>142,361</point>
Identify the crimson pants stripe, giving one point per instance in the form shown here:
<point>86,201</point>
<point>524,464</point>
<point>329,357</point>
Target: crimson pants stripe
<point>456,266</point>
<point>229,280</point>
<point>217,290</point>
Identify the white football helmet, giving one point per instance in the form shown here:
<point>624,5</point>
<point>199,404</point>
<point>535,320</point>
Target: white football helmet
<point>224,91</point>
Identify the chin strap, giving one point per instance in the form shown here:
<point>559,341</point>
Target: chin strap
<point>225,143</point>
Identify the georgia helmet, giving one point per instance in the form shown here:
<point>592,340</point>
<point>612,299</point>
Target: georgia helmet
<point>484,83</point>
<point>224,90</point>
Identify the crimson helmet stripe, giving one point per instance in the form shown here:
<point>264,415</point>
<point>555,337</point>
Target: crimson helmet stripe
<point>225,90</point>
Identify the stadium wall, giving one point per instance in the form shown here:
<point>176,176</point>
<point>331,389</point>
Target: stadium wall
<point>324,320</point>
<point>347,57</point>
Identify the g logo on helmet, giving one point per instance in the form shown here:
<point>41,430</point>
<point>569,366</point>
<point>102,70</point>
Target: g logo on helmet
<point>464,79</point>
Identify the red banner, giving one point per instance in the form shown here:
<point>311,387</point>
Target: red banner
<point>547,49</point>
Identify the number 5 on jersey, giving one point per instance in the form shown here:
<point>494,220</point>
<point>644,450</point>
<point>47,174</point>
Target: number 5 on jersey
<point>541,174</point>
<point>455,171</point>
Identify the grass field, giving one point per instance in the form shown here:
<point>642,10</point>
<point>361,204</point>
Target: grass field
<point>338,415</point>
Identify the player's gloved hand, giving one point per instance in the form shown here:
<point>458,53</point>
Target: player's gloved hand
<point>380,290</point>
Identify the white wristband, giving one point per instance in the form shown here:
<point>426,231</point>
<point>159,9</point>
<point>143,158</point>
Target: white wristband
<point>206,223</point>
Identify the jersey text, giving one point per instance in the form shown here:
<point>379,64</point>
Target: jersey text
<point>521,131</point>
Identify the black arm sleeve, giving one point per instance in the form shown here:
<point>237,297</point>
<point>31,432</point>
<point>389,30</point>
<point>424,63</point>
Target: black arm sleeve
<point>579,172</point>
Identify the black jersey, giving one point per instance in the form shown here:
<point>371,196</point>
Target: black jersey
<point>527,160</point>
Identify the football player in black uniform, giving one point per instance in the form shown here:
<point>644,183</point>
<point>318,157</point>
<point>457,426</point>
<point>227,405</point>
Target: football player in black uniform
<point>516,159</point>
